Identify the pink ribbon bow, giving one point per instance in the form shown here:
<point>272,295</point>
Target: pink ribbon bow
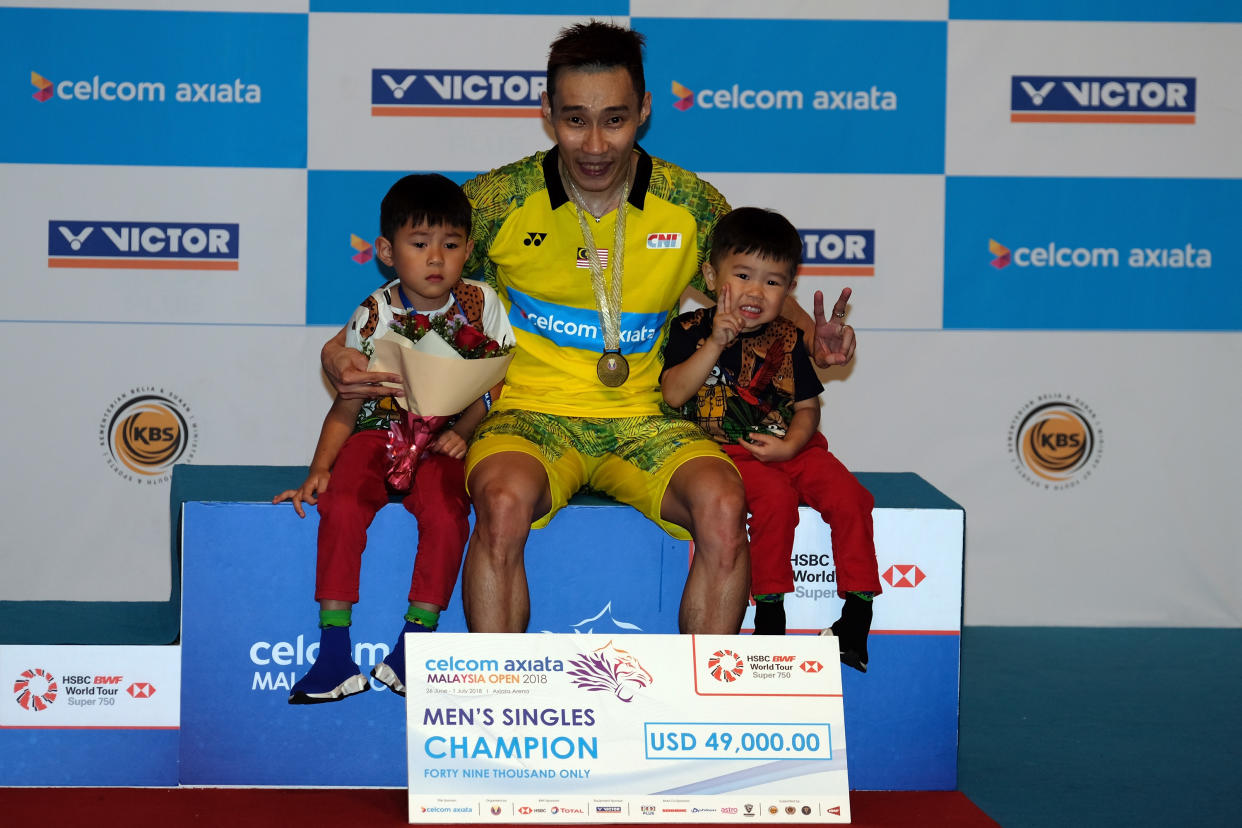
<point>407,441</point>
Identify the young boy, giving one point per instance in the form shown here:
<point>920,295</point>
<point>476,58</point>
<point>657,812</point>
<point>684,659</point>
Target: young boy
<point>425,238</point>
<point>741,371</point>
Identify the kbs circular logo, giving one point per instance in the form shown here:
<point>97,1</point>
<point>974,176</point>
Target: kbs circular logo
<point>725,665</point>
<point>146,431</point>
<point>1055,442</point>
<point>35,689</point>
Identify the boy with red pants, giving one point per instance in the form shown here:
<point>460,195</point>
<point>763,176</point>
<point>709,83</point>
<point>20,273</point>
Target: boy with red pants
<point>741,371</point>
<point>425,238</point>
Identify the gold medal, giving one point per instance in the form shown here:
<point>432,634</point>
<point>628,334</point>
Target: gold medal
<point>612,369</point>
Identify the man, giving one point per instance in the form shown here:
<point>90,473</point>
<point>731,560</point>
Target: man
<point>565,236</point>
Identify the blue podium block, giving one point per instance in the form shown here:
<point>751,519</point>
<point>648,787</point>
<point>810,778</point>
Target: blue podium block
<point>249,630</point>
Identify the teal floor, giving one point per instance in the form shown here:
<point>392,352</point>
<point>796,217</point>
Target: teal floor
<point>1102,727</point>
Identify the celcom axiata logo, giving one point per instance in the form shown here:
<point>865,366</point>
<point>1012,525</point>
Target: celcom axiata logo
<point>145,432</point>
<point>1061,99</point>
<point>457,93</point>
<point>738,97</point>
<point>126,91</point>
<point>1059,255</point>
<point>1055,442</point>
<point>363,252</point>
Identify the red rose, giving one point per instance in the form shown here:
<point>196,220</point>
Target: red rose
<point>420,323</point>
<point>492,345</point>
<point>467,338</point>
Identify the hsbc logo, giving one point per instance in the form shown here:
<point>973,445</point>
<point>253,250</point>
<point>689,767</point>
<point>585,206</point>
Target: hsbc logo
<point>141,690</point>
<point>1101,99</point>
<point>904,575</point>
<point>811,666</point>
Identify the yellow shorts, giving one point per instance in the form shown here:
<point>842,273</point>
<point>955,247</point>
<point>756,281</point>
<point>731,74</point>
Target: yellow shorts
<point>630,459</point>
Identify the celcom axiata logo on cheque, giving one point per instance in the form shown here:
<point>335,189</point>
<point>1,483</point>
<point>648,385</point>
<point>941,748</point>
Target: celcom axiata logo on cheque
<point>1055,441</point>
<point>145,432</point>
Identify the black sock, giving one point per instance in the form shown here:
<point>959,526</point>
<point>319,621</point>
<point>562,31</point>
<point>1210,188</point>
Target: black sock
<point>770,614</point>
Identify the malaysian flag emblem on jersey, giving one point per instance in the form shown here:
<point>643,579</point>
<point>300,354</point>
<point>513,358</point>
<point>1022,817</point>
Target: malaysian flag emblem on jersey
<point>584,258</point>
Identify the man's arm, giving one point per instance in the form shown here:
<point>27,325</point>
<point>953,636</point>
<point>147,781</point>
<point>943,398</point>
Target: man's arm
<point>347,371</point>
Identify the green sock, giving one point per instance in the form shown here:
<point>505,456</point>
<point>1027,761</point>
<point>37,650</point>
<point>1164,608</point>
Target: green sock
<point>335,618</point>
<point>771,598</point>
<point>423,617</point>
<point>866,596</point>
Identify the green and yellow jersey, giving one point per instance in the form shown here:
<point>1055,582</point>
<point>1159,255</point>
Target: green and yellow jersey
<point>529,246</point>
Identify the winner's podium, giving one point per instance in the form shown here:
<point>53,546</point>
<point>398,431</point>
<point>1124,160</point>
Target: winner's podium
<point>249,631</point>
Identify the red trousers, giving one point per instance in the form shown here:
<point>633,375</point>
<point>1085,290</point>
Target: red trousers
<point>357,490</point>
<point>773,493</point>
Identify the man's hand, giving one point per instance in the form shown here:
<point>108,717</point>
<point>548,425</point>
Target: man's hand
<point>834,340</point>
<point>314,485</point>
<point>449,443</point>
<point>767,448</point>
<point>347,370</point>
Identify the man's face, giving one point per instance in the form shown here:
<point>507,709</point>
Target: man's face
<point>596,116</point>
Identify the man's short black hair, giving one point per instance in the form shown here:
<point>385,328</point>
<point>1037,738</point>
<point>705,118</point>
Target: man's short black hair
<point>424,197</point>
<point>755,230</point>
<point>597,46</point>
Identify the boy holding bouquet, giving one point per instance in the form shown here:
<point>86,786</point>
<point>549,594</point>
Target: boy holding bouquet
<point>741,371</point>
<point>425,238</point>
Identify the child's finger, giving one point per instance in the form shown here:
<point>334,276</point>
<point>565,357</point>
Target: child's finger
<point>724,299</point>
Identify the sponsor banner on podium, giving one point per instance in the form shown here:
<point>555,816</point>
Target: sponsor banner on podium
<point>564,728</point>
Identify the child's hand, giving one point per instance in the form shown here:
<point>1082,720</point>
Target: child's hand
<point>315,483</point>
<point>449,443</point>
<point>728,323</point>
<point>767,448</point>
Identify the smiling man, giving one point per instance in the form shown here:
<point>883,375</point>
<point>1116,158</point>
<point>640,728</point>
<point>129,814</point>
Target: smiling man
<point>590,246</point>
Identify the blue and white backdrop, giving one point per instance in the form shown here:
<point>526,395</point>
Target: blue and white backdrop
<point>1035,202</point>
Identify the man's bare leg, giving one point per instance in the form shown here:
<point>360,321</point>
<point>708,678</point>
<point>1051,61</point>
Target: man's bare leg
<point>706,496</point>
<point>509,491</point>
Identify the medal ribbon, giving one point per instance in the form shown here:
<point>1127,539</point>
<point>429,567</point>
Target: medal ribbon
<point>607,299</point>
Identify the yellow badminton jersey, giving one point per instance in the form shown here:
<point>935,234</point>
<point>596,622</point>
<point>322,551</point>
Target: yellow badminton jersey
<point>529,246</point>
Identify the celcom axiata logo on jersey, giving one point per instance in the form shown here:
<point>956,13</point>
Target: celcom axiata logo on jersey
<point>1061,99</point>
<point>128,90</point>
<point>1054,255</point>
<point>727,95</point>
<point>1055,442</point>
<point>147,245</point>
<point>457,93</point>
<point>837,253</point>
<point>145,432</point>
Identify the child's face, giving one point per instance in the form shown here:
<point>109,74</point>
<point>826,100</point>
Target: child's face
<point>428,261</point>
<point>759,285</point>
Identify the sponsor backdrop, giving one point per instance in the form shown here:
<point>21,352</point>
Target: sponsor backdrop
<point>1034,213</point>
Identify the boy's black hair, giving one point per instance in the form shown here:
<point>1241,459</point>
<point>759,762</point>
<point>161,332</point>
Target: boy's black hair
<point>424,197</point>
<point>597,46</point>
<point>755,230</point>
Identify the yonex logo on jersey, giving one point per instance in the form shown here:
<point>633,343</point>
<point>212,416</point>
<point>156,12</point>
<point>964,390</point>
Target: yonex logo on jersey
<point>363,247</point>
<point>1101,99</point>
<point>664,241</point>
<point>148,245</point>
<point>488,93</point>
<point>837,253</point>
<point>584,258</point>
<point>534,239</point>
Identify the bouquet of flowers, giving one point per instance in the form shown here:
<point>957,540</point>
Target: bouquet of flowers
<point>445,364</point>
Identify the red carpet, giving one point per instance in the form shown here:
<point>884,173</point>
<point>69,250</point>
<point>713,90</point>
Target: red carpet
<point>242,807</point>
